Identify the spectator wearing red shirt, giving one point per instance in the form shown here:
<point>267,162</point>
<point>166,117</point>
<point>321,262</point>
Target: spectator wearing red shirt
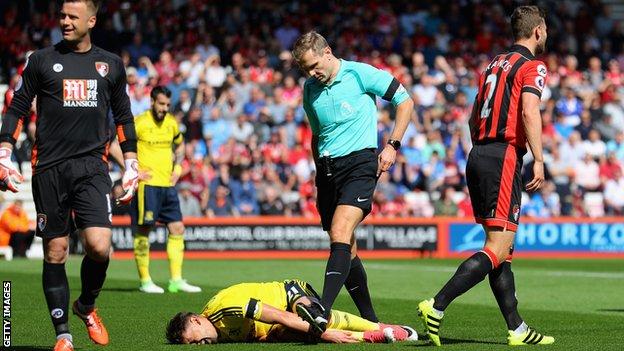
<point>273,150</point>
<point>166,68</point>
<point>296,154</point>
<point>308,208</point>
<point>609,166</point>
<point>614,75</point>
<point>261,73</point>
<point>464,207</point>
<point>292,92</point>
<point>199,185</point>
<point>569,71</point>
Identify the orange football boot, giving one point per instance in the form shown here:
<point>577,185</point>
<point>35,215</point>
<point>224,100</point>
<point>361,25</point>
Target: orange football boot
<point>97,331</point>
<point>63,344</point>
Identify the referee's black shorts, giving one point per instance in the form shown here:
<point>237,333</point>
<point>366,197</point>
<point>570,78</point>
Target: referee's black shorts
<point>495,184</point>
<point>352,182</point>
<point>79,186</point>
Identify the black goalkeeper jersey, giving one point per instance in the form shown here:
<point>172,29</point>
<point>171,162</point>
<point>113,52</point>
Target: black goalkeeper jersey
<point>74,93</point>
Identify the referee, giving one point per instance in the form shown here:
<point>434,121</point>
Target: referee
<point>76,83</point>
<point>339,98</point>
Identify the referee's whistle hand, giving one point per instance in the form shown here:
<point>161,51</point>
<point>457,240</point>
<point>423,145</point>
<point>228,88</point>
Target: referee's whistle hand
<point>386,159</point>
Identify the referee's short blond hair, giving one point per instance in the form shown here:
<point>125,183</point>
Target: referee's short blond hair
<point>309,41</point>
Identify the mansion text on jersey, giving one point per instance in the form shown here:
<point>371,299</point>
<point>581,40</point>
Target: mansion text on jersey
<point>80,93</point>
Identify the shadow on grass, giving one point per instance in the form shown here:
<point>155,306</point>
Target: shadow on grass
<point>121,289</point>
<point>621,310</point>
<point>451,341</point>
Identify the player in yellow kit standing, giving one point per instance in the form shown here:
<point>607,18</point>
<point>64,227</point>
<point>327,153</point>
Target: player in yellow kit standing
<point>158,137</point>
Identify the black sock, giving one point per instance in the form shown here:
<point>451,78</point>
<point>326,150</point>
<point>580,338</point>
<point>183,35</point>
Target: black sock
<point>357,286</point>
<point>336,273</point>
<point>92,276</point>
<point>468,274</point>
<point>56,291</point>
<point>504,289</point>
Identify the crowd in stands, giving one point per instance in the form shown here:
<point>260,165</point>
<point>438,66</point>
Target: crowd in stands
<point>237,95</point>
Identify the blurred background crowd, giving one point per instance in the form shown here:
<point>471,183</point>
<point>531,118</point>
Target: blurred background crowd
<point>237,95</point>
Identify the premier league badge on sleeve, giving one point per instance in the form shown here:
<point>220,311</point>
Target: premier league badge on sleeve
<point>102,68</point>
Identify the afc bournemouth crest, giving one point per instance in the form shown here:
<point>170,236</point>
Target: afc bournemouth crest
<point>101,68</point>
<point>42,220</point>
<point>516,212</point>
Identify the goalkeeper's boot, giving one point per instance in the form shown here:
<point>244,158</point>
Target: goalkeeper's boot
<point>96,329</point>
<point>63,344</point>
<point>181,285</point>
<point>151,288</point>
<point>314,314</point>
<point>529,337</point>
<point>431,319</point>
<point>384,335</point>
<point>401,332</point>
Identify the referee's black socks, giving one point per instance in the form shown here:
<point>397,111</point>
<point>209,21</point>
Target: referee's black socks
<point>336,273</point>
<point>92,275</point>
<point>468,274</point>
<point>357,286</point>
<point>56,291</point>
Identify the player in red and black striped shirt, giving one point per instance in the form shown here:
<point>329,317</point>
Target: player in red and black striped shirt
<point>504,118</point>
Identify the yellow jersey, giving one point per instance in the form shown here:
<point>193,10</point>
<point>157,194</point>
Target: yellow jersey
<point>155,145</point>
<point>235,311</point>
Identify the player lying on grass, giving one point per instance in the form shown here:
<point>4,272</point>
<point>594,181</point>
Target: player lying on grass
<point>265,312</point>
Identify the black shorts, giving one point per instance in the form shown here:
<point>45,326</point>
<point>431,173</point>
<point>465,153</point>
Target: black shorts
<point>352,182</point>
<point>295,289</point>
<point>495,184</point>
<point>79,186</point>
<point>155,204</point>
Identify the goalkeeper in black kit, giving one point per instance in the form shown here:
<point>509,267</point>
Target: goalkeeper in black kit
<point>76,84</point>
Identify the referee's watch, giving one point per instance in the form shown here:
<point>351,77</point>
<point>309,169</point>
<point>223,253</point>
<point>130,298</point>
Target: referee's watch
<point>396,144</point>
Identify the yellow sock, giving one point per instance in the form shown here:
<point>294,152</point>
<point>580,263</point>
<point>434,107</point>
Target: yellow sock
<point>347,321</point>
<point>358,335</point>
<point>175,253</point>
<point>141,256</point>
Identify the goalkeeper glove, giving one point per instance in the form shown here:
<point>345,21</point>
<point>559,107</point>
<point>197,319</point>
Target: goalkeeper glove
<point>129,181</point>
<point>10,178</point>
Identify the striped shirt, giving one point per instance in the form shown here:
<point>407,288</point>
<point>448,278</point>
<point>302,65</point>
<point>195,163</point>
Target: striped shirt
<point>497,110</point>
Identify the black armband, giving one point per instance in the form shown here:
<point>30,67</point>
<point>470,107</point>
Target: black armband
<point>251,308</point>
<point>392,88</point>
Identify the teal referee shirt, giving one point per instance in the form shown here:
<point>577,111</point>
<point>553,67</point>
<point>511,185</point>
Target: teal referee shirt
<point>343,114</point>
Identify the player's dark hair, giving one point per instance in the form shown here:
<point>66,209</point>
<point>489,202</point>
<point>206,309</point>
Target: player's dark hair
<point>309,41</point>
<point>93,5</point>
<point>160,90</point>
<point>177,325</point>
<point>524,19</point>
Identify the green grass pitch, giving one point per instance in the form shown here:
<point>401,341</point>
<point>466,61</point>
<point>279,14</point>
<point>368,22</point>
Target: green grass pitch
<point>580,302</point>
